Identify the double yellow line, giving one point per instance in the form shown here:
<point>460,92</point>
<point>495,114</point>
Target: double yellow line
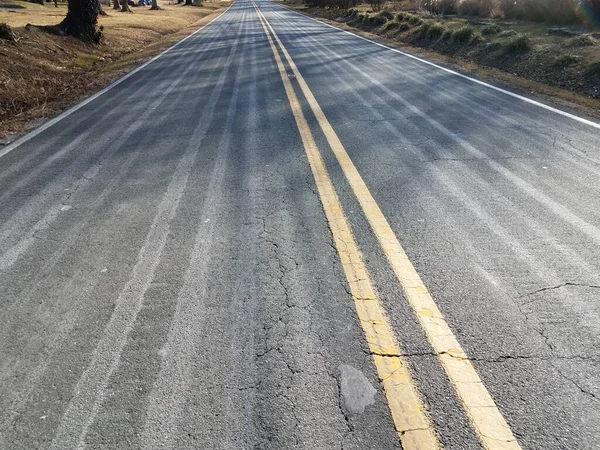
<point>408,411</point>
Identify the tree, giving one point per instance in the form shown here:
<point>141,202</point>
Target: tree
<point>125,6</point>
<point>80,22</point>
<point>155,5</point>
<point>116,4</point>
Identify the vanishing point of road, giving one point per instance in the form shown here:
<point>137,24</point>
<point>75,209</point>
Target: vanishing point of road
<point>300,239</point>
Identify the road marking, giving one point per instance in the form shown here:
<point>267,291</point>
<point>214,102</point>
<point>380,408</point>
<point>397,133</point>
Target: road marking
<point>408,413</point>
<point>458,74</point>
<point>9,148</point>
<point>491,427</point>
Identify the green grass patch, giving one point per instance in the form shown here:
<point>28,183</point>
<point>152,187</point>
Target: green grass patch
<point>490,30</point>
<point>435,31</point>
<point>463,35</point>
<point>593,69</point>
<point>566,60</point>
<point>584,40</point>
<point>517,45</point>
<point>391,25</point>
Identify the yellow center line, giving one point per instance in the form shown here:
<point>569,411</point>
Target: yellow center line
<point>487,420</point>
<point>408,413</point>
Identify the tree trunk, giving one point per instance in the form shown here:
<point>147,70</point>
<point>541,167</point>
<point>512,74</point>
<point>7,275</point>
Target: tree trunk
<point>116,4</point>
<point>125,6</point>
<point>188,2</point>
<point>81,20</point>
<point>155,5</point>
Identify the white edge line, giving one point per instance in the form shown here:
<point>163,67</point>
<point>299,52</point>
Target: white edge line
<point>466,77</point>
<point>9,148</point>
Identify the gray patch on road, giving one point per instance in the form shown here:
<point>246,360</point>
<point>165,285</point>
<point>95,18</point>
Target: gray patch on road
<point>356,391</point>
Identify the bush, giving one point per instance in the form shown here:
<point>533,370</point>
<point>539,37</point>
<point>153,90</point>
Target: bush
<point>593,69</point>
<point>391,25</point>
<point>582,41</point>
<point>565,60</point>
<point>476,8</point>
<point>490,30</point>
<point>377,20</point>
<point>413,20</point>
<point>403,27</point>
<point>463,35</point>
<point>435,31</point>
<point>386,15</point>
<point>517,45</point>
<point>447,35</point>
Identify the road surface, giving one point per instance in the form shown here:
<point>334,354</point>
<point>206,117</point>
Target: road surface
<point>300,239</point>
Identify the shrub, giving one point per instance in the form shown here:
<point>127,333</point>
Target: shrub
<point>403,27</point>
<point>593,69</point>
<point>391,25</point>
<point>517,45</point>
<point>477,8</point>
<point>414,20</point>
<point>377,21</point>
<point>463,35</point>
<point>386,15</point>
<point>435,31</point>
<point>491,30</point>
<point>581,41</point>
<point>447,35</point>
<point>420,32</point>
<point>565,60</point>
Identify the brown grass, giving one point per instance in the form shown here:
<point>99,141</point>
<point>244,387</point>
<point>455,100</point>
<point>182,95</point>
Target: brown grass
<point>42,73</point>
<point>521,55</point>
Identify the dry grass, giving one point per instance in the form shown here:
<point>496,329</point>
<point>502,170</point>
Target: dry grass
<point>540,72</point>
<point>43,74</point>
<point>565,65</point>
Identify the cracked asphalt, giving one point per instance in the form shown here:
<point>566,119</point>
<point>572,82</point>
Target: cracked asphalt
<point>171,281</point>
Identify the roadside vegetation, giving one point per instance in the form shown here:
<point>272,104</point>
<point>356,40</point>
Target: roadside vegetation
<point>555,42</point>
<point>43,72</point>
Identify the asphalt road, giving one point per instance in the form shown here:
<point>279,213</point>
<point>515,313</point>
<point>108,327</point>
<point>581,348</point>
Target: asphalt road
<point>169,277</point>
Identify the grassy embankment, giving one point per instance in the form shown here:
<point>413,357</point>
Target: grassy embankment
<point>521,54</point>
<point>41,74</point>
